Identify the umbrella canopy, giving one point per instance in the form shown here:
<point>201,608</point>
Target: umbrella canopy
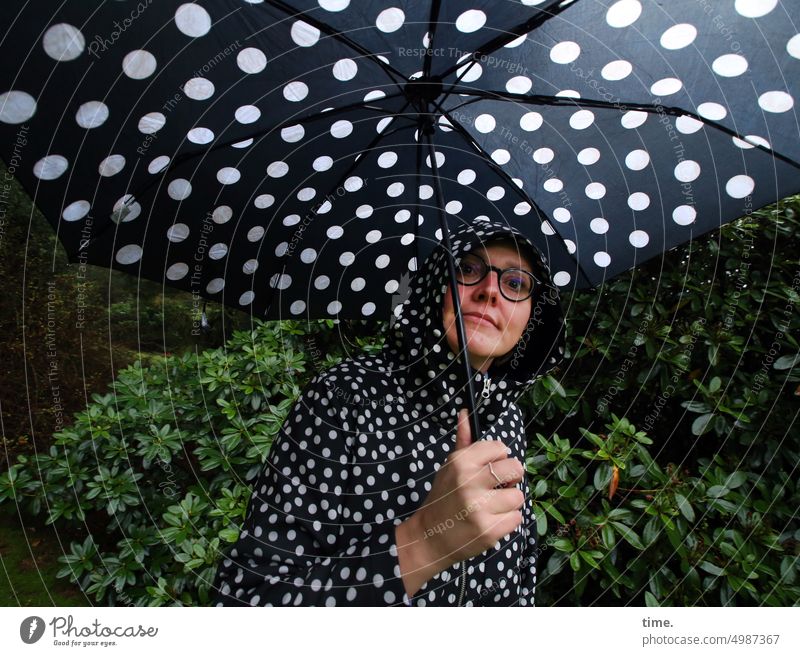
<point>291,158</point>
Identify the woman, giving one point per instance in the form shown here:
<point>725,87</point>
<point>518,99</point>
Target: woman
<point>372,494</point>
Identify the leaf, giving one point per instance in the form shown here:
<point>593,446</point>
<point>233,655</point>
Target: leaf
<point>685,507</point>
<point>717,491</point>
<point>715,384</point>
<point>650,600</point>
<point>701,424</point>
<point>629,535</point>
<point>612,486</point>
<point>786,362</point>
<point>736,479</point>
<point>711,568</point>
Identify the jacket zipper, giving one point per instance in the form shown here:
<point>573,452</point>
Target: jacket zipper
<point>487,383</point>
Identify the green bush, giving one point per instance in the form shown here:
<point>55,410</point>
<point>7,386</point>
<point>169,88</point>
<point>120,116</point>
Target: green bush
<point>674,484</point>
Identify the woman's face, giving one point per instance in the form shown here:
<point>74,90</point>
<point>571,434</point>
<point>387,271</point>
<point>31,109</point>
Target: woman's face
<point>493,325</point>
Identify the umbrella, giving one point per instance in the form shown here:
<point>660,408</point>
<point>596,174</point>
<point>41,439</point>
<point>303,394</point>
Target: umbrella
<point>298,159</point>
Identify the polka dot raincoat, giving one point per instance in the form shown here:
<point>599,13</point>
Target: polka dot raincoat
<point>358,453</point>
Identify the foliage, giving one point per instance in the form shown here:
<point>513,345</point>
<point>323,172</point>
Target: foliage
<point>662,467</point>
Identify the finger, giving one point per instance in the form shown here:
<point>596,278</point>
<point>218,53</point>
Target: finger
<point>485,451</point>
<point>504,500</point>
<point>463,431</point>
<point>509,471</point>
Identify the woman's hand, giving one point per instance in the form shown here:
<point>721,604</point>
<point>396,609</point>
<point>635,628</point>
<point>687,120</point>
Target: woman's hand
<point>465,513</point>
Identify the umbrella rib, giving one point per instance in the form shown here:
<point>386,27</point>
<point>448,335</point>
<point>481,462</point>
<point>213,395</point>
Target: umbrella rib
<point>504,176</point>
<point>340,183</point>
<point>650,108</point>
<point>546,13</point>
<point>390,70</point>
<point>434,21</point>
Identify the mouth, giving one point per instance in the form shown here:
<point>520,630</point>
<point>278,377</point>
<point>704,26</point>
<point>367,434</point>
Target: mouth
<point>480,318</point>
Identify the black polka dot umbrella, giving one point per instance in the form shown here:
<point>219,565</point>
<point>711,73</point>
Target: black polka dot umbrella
<point>286,157</point>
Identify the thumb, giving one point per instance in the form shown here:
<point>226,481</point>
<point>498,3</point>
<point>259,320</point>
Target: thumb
<point>463,433</point>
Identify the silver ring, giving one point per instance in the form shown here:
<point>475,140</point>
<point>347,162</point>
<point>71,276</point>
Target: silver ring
<point>499,482</point>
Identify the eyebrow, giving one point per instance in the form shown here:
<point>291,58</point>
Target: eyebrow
<point>509,262</point>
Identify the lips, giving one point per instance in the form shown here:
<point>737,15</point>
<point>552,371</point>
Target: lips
<point>484,318</point>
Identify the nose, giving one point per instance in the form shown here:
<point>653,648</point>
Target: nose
<point>488,289</point>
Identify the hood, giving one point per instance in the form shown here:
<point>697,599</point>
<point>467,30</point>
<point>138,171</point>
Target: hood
<point>417,343</point>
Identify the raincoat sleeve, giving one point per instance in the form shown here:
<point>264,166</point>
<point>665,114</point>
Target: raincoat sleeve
<point>298,545</point>
<point>530,560</point>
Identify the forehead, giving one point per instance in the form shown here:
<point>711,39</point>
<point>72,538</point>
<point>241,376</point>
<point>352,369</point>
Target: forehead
<point>503,255</point>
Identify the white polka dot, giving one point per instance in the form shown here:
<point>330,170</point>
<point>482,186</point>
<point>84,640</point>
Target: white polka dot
<point>639,238</point>
<point>470,71</point>
<point>255,233</point>
<point>688,124</point>
<point>390,20</point>
<point>177,233</point>
<point>16,107</point>
<point>334,5</point>
<point>425,192</point>
<point>322,163</point>
<point>485,123</point>
<point>193,20</point>
<point>341,129</point>
<point>304,35</point>
<point>247,298</point>
<point>598,226</point>
<point>291,219</point>
<point>228,175</point>
<point>395,189</point>
<point>595,190</point>
<point>293,133</point>
<point>638,201</point>
<point>636,160</point>
<point>793,46</point>
<point>439,160</point>
<point>126,209</point>
<point>295,91</point>
<point>729,65</point>
<point>519,84</point>
<point>588,156</point>
<point>750,141</point>
<point>177,271</point>
<point>179,189</point>
<point>243,144</point>
<point>678,36</point>
<point>334,307</point>
<point>139,64</point>
<point>198,88</point>
<point>496,193</point>
<point>471,21</point>
<point>547,228</point>
<point>684,215</point>
<point>277,169</point>
<point>501,156</point>
<point>322,282</point>
<point>666,87</point>
<point>633,119</point>
<point>334,232</point>
<point>222,214</point>
<point>345,69</point>
<point>623,13</point>
<point>364,211</point>
<point>740,186</point>
<point>297,307</point>
<point>617,70</point>
<point>251,61</point>
<point>358,284</point>
<point>562,278</point>
<point>453,207</point>
<point>76,211</point>
<point>466,177</point>
<point>376,94</point>
<point>581,119</point>
<point>63,42</point>
<point>111,165</point>
<point>50,167</point>
<point>280,281</point>
<point>263,201</point>
<point>602,259</point>
<point>368,308</point>
<point>306,194</point>
<point>383,124</point>
<point>387,159</point>
<point>571,247</point>
<point>373,236</point>
<point>565,52</point>
<point>152,122</point>
<point>553,185</point>
<point>561,214</point>
<point>687,171</point>
<point>247,114</point>
<point>568,93</point>
<point>402,216</point>
<point>347,258</point>
<point>755,8</point>
<point>712,111</point>
<point>215,286</point>
<point>129,254</point>
<point>308,255</point>
<point>382,261</point>
<point>531,121</point>
<point>543,155</point>
<point>200,135</point>
<point>775,101</point>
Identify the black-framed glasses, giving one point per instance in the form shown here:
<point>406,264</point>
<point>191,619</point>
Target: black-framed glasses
<point>515,284</point>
